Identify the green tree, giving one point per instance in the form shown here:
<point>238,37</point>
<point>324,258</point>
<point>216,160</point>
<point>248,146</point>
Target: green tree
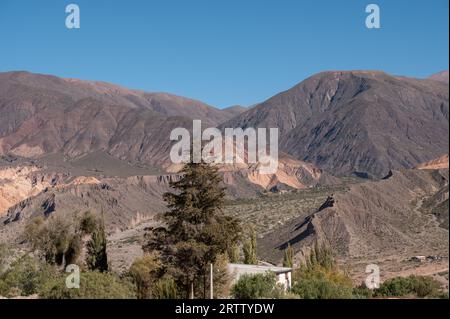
<point>88,223</point>
<point>50,237</point>
<point>288,260</point>
<point>145,272</point>
<point>235,254</point>
<point>195,229</point>
<point>97,258</point>
<point>319,277</point>
<point>57,240</point>
<point>74,248</point>
<point>166,288</point>
<point>250,256</point>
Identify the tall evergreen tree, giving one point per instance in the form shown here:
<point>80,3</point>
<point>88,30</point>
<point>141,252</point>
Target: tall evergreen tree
<point>250,255</point>
<point>97,258</point>
<point>195,230</point>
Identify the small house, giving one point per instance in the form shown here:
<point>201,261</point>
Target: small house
<point>283,274</point>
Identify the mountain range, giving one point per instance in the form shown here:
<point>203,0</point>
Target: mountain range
<point>356,122</point>
<point>69,145</point>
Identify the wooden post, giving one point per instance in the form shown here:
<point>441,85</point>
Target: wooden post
<point>191,294</point>
<point>211,284</point>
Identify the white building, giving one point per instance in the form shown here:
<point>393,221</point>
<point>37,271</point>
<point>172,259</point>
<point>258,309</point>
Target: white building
<point>283,274</point>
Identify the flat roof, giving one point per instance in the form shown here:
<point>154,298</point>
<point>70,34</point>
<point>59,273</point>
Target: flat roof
<point>261,268</point>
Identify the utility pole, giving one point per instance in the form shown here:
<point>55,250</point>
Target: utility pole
<point>211,284</point>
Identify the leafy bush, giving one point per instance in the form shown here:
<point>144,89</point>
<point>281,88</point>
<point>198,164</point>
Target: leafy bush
<point>88,223</point>
<point>362,292</point>
<point>25,277</point>
<point>254,286</point>
<point>418,286</point>
<point>320,283</point>
<point>145,272</point>
<point>93,285</point>
<point>97,258</point>
<point>320,278</point>
<point>165,288</point>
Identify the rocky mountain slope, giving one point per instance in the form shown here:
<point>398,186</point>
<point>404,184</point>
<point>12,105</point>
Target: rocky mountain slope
<point>43,114</point>
<point>357,122</point>
<point>68,146</point>
<point>44,189</point>
<point>439,163</point>
<point>372,220</point>
<point>441,76</point>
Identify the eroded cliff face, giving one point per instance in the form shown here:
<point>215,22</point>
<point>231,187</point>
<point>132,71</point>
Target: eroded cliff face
<point>19,183</point>
<point>439,163</point>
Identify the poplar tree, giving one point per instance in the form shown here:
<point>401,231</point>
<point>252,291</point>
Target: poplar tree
<point>288,260</point>
<point>250,256</point>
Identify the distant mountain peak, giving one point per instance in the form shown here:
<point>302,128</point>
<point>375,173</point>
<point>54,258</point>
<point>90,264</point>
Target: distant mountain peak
<point>441,77</point>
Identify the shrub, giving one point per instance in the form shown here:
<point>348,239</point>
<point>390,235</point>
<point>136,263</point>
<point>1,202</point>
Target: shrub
<point>254,286</point>
<point>320,278</point>
<point>362,292</point>
<point>25,277</point>
<point>93,285</point>
<point>97,258</point>
<point>88,223</point>
<point>144,272</point>
<point>51,238</point>
<point>165,288</point>
<point>320,283</point>
<point>418,286</point>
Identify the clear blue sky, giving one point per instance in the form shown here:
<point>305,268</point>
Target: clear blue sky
<point>223,52</point>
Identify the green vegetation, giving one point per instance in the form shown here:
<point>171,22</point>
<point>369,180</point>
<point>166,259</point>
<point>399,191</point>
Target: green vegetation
<point>4,253</point>
<point>93,285</point>
<point>254,286</point>
<point>269,211</point>
<point>60,242</point>
<point>177,259</point>
<point>320,278</point>
<point>250,257</point>
<point>24,277</point>
<point>97,258</point>
<point>196,231</point>
<point>412,286</point>
<point>288,260</point>
<point>145,272</point>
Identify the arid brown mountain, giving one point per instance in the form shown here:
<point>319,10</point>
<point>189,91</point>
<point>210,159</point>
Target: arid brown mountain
<point>43,114</point>
<point>358,122</point>
<point>399,216</point>
<point>439,163</point>
<point>441,76</point>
